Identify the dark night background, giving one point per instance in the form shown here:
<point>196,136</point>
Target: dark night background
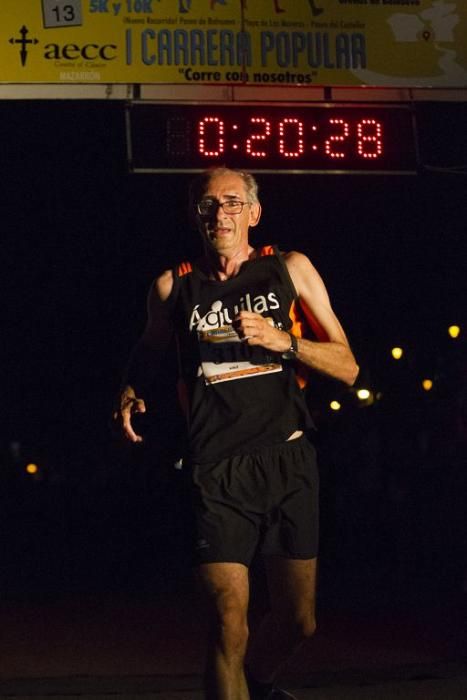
<point>82,240</point>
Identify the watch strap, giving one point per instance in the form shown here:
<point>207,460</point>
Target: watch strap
<point>291,353</point>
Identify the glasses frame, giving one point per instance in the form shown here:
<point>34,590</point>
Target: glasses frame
<point>215,206</point>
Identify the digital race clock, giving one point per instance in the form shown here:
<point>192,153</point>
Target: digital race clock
<point>319,138</point>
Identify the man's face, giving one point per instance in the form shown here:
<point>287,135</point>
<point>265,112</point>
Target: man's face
<point>227,233</point>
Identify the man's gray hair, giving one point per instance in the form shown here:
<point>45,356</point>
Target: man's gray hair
<point>200,184</point>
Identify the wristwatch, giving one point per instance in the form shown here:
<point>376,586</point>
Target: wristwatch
<point>291,353</point>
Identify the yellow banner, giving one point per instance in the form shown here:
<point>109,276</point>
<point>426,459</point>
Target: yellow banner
<point>414,43</point>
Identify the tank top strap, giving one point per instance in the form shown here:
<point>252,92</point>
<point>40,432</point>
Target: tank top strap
<point>267,250</point>
<point>183,268</point>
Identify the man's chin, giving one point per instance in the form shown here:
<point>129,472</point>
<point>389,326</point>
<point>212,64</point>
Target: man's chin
<point>221,244</point>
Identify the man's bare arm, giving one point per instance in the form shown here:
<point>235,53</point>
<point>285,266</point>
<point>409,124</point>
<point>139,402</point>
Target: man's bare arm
<point>331,354</point>
<point>146,356</point>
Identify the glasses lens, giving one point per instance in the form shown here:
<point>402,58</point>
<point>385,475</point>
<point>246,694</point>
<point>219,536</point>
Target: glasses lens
<point>206,207</point>
<point>232,206</point>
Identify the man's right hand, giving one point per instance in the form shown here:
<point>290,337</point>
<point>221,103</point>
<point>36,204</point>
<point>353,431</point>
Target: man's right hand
<point>128,405</point>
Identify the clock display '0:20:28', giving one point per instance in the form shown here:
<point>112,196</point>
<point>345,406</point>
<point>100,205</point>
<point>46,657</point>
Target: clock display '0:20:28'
<point>290,137</point>
<point>271,138</point>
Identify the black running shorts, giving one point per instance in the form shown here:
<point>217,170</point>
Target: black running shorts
<point>265,501</point>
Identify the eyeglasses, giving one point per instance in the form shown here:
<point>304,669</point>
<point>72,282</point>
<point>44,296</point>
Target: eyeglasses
<point>208,207</point>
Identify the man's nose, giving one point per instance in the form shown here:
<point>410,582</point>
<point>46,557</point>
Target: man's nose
<point>220,213</point>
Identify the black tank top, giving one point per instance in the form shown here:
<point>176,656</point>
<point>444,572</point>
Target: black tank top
<point>237,398</point>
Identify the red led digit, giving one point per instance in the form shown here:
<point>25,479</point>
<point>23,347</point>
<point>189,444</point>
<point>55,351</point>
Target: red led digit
<point>286,126</point>
<point>211,128</point>
<point>252,141</point>
<point>370,138</point>
<point>336,138</point>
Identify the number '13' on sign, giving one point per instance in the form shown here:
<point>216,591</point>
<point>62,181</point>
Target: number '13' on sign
<point>61,13</point>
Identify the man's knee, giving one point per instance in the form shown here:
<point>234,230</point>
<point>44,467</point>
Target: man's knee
<point>225,588</point>
<point>307,626</point>
<point>231,628</point>
<point>228,620</point>
<point>299,625</point>
<point>293,584</point>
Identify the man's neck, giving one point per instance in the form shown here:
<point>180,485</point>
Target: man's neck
<point>223,267</point>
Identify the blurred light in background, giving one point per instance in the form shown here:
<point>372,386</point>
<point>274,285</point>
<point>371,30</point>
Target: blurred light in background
<point>397,353</point>
<point>427,384</point>
<point>335,405</point>
<point>363,394</point>
<point>454,331</point>
<point>32,468</point>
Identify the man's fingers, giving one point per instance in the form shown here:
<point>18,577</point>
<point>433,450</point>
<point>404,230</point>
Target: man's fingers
<point>253,328</point>
<point>139,406</point>
<point>249,325</point>
<point>128,429</point>
<point>129,408</point>
<point>247,314</point>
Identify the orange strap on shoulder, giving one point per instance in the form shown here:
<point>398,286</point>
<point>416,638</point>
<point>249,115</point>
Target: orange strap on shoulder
<point>266,250</point>
<point>184,269</point>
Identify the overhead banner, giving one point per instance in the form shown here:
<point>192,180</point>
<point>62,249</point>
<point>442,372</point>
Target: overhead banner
<point>387,43</point>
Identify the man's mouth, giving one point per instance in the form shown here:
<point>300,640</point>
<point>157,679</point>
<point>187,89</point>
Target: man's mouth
<point>219,231</point>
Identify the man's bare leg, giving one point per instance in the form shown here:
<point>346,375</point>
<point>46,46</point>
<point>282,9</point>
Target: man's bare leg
<point>225,587</point>
<point>292,591</point>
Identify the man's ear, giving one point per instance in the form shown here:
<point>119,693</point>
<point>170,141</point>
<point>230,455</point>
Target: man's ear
<point>255,214</point>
